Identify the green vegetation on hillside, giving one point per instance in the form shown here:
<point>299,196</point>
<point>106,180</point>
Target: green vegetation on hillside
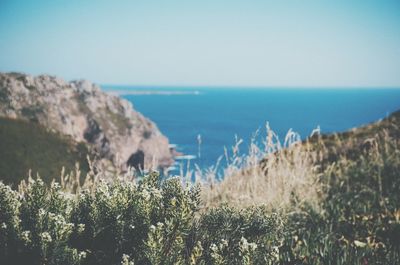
<point>328,200</point>
<point>340,194</point>
<point>26,145</point>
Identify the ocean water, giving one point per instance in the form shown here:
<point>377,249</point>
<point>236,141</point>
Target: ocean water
<point>217,115</point>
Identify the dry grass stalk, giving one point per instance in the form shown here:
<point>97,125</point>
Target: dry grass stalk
<point>274,174</point>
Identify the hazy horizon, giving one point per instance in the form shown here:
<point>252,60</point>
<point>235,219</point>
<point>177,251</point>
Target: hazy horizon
<point>172,87</point>
<point>257,44</point>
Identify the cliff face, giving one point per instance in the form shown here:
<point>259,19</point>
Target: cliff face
<point>109,125</point>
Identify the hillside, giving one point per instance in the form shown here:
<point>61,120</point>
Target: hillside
<point>333,199</point>
<point>28,146</point>
<point>108,125</point>
<point>339,193</point>
<point>357,140</point>
<point>304,169</point>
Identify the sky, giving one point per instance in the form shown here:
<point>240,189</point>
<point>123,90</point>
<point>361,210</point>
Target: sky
<point>265,43</point>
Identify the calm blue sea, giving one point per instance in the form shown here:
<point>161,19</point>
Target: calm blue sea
<point>220,114</point>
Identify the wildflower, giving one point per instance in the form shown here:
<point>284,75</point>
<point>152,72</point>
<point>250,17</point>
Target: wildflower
<point>4,226</point>
<point>126,260</point>
<point>213,247</point>
<point>25,236</point>
<point>68,227</point>
<point>275,252</point>
<point>81,228</point>
<point>224,242</point>
<point>82,255</point>
<point>45,236</point>
<point>245,245</point>
<point>243,242</point>
<point>55,185</point>
<point>42,212</point>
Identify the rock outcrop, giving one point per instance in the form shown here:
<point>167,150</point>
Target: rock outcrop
<point>109,125</point>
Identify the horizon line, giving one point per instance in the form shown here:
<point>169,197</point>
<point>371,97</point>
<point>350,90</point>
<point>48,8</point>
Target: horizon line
<point>266,87</point>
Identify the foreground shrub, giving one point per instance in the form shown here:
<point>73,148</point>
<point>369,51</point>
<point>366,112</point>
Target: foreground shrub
<point>151,222</point>
<point>35,226</point>
<point>248,236</point>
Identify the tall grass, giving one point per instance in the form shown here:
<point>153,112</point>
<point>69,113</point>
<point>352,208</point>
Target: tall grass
<point>272,173</point>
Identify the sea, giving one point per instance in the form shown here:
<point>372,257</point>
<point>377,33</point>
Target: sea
<point>201,122</point>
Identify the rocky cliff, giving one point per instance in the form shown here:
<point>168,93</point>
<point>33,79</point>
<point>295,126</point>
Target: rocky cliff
<point>109,125</point>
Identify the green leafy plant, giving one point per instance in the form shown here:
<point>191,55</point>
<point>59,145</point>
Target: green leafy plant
<point>149,222</point>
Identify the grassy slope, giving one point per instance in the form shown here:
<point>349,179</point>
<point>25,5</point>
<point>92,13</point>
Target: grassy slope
<point>352,142</point>
<point>391,123</point>
<point>26,145</point>
<point>293,170</point>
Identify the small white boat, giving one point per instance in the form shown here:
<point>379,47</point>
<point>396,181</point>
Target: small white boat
<point>185,157</point>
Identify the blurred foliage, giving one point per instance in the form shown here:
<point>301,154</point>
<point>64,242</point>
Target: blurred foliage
<point>152,222</point>
<point>28,146</point>
<point>359,219</point>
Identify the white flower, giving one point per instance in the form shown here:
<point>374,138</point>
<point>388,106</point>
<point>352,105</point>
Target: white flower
<point>25,235</point>
<point>245,245</point>
<point>42,212</point>
<point>55,185</point>
<point>45,236</point>
<point>224,242</point>
<point>214,247</point>
<point>275,252</point>
<point>126,260</point>
<point>4,226</point>
<point>68,227</point>
<point>82,255</point>
<point>253,246</point>
<point>81,228</point>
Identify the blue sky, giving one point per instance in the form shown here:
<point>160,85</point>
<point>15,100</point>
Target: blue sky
<point>317,43</point>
